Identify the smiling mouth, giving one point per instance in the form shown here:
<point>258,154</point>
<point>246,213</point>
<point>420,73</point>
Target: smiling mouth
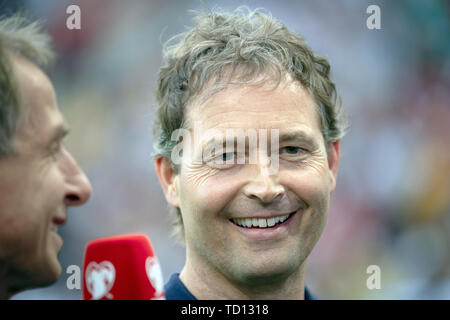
<point>261,223</point>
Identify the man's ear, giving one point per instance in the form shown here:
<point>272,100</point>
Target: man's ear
<point>334,154</point>
<point>168,179</point>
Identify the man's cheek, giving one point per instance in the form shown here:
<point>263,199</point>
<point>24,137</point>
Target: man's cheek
<point>307,185</point>
<point>208,201</point>
<point>199,202</point>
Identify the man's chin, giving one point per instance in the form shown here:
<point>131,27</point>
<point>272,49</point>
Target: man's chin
<point>54,271</point>
<point>264,276</point>
<point>48,273</point>
<point>42,275</point>
<point>269,271</point>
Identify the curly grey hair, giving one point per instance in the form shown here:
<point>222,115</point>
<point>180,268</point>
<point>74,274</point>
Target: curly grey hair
<point>18,36</point>
<point>242,47</point>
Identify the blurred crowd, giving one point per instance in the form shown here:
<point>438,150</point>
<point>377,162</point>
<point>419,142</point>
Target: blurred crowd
<point>391,207</point>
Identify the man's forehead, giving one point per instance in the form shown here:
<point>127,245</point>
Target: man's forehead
<point>254,107</point>
<point>39,114</point>
<point>32,83</point>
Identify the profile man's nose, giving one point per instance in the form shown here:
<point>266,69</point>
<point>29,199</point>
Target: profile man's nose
<point>78,187</point>
<point>78,191</point>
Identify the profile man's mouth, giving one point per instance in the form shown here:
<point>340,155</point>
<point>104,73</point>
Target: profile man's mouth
<point>261,222</point>
<point>56,223</point>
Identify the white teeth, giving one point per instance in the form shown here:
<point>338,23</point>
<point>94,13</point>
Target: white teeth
<point>262,223</point>
<point>54,228</point>
<point>259,222</point>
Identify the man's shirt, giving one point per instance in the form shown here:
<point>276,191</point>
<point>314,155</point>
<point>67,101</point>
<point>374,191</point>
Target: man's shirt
<point>176,290</point>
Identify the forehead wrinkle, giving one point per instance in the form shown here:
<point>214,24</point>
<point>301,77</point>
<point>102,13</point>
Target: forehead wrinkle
<point>235,108</point>
<point>215,119</point>
<point>230,101</point>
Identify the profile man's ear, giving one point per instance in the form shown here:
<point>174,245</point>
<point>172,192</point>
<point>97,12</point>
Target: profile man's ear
<point>168,179</point>
<point>334,154</point>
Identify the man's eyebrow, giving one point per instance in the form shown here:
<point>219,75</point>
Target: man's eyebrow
<point>296,136</point>
<point>300,137</point>
<point>215,141</point>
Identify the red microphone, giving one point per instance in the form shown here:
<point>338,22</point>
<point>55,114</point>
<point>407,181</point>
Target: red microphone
<point>122,267</point>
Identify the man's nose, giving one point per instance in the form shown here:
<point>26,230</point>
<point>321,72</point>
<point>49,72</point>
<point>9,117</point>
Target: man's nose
<point>78,187</point>
<point>265,186</point>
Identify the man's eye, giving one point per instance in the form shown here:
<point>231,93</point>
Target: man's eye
<point>228,156</point>
<point>292,151</point>
<point>222,158</point>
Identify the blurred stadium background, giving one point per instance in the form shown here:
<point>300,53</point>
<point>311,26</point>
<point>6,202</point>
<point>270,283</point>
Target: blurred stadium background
<point>392,203</point>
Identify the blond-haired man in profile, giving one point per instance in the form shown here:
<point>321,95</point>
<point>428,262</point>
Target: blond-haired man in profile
<point>39,179</point>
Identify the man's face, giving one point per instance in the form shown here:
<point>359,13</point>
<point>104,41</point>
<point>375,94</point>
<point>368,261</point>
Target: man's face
<point>212,197</point>
<point>38,182</point>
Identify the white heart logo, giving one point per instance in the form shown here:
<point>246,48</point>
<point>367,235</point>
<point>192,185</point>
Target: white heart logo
<point>100,279</point>
<point>154,274</point>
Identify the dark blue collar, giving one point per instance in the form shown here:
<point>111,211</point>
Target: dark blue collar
<point>176,290</point>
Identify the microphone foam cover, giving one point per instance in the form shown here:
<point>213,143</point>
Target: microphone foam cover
<point>122,267</point>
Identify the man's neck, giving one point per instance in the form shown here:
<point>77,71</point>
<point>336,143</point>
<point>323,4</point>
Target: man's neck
<point>12,281</point>
<point>205,283</point>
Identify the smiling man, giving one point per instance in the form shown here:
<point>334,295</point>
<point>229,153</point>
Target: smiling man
<point>248,225</point>
<point>39,178</point>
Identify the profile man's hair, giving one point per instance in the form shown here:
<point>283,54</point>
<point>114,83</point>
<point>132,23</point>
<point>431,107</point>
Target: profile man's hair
<point>23,37</point>
<point>240,48</point>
